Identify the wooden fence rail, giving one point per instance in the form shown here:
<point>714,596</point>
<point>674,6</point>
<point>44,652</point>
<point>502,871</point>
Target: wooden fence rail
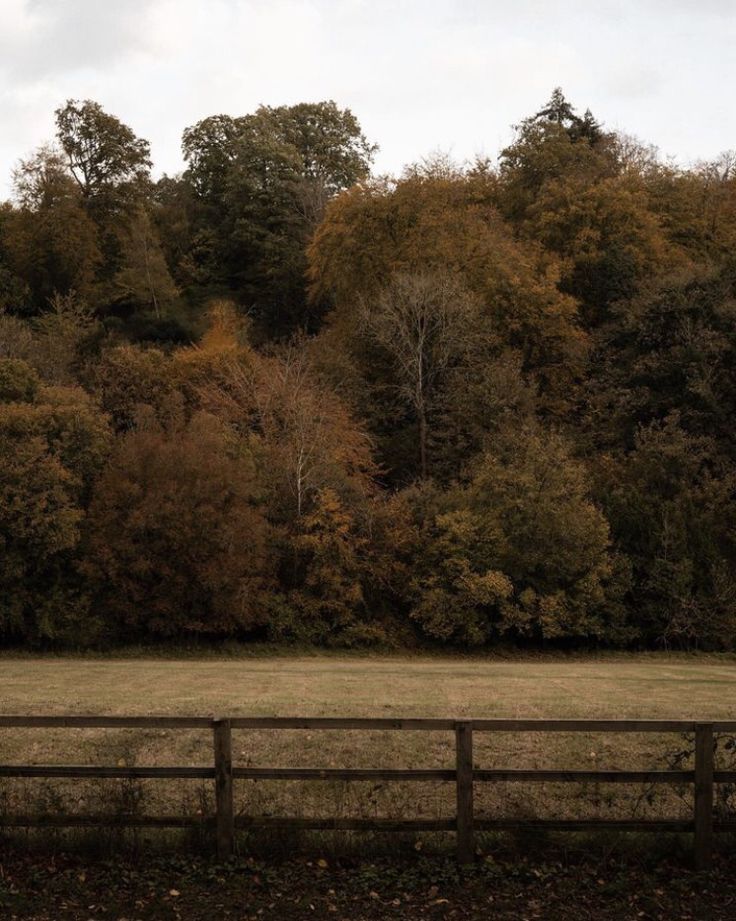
<point>465,775</point>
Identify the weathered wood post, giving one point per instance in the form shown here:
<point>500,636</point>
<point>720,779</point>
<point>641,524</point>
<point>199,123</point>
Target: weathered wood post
<point>703,795</point>
<point>224,823</point>
<point>464,779</point>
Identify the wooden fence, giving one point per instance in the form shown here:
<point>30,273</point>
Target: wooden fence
<point>464,775</point>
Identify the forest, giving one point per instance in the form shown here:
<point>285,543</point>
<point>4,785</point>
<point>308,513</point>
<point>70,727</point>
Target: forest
<point>280,398</point>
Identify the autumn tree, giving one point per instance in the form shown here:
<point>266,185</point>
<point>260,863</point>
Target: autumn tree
<point>430,225</point>
<point>53,442</point>
<point>133,382</point>
<point>329,560</point>
<point>16,337</point>
<point>317,443</point>
<point>318,474</point>
<point>55,344</point>
<point>273,397</point>
<point>436,224</point>
<point>697,206</point>
<point>62,338</point>
<point>176,535</point>
<point>563,185</point>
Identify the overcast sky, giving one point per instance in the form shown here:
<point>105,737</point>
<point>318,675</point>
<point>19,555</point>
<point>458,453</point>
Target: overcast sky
<point>421,75</point>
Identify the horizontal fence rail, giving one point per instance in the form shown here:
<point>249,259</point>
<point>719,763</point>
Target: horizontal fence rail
<point>464,775</point>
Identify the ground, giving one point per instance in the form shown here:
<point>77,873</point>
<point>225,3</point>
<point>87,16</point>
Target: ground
<point>677,687</point>
<point>69,888</point>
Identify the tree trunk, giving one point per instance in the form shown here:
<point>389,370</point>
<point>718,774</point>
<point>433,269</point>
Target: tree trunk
<point>422,440</point>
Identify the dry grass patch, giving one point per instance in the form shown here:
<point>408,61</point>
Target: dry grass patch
<point>647,687</point>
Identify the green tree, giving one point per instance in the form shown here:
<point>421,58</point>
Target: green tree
<point>143,280</point>
<point>261,182</point>
<point>19,383</point>
<point>520,550</point>
<point>671,349</point>
<point>110,167</point>
<point>672,510</point>
<point>106,159</point>
<point>14,294</point>
<point>52,243</point>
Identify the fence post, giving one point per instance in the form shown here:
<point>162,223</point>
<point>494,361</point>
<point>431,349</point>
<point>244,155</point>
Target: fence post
<point>464,779</point>
<point>224,824</point>
<point>703,795</point>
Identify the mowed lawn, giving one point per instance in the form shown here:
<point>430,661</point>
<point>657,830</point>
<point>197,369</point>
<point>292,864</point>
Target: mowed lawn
<point>651,686</point>
<point>676,687</point>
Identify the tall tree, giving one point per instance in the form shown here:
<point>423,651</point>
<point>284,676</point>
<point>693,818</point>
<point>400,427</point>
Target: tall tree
<point>671,505</point>
<point>443,227</point>
<point>425,324</point>
<point>261,182</point>
<point>143,280</point>
<point>105,157</point>
<point>564,185</point>
<point>52,242</point>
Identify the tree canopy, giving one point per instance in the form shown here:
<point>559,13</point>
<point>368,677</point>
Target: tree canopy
<point>278,397</point>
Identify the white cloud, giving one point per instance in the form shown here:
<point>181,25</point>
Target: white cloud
<point>420,74</point>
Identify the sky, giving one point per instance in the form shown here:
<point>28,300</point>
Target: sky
<point>421,75</point>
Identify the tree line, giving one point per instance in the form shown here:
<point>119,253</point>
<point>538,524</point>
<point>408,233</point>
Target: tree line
<point>278,397</point>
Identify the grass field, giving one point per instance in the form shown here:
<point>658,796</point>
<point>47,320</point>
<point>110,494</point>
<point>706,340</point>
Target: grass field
<point>675,687</point>
<point>617,686</point>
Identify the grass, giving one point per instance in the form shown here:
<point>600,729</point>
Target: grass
<point>625,686</point>
<point>676,687</point>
